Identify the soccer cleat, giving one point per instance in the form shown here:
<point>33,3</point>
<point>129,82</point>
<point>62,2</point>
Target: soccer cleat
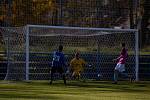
<point>65,82</point>
<point>131,79</point>
<point>114,82</point>
<point>50,83</point>
<point>64,78</point>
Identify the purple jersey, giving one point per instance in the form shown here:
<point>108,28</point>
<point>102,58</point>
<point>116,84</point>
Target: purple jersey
<point>123,56</point>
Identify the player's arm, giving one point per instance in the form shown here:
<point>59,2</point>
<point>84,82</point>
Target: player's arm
<point>117,58</point>
<point>64,60</point>
<point>52,63</point>
<point>121,55</point>
<point>84,63</point>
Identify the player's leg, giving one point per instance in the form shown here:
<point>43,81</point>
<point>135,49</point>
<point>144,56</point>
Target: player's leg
<point>67,73</point>
<point>117,69</point>
<point>124,74</point>
<point>53,70</point>
<point>61,71</point>
<point>73,75</point>
<point>78,76</point>
<point>116,73</point>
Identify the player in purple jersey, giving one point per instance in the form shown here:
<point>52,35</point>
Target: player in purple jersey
<point>120,67</point>
<point>58,63</point>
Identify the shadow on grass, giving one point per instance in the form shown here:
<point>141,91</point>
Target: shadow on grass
<point>27,96</point>
<point>101,86</point>
<point>108,86</point>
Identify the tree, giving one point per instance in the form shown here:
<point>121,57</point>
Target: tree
<point>32,12</point>
<point>95,13</point>
<point>145,22</point>
<point>85,13</point>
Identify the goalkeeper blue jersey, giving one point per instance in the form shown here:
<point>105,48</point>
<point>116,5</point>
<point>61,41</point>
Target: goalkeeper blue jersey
<point>58,59</point>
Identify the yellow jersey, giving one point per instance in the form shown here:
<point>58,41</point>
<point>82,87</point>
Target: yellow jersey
<point>77,64</point>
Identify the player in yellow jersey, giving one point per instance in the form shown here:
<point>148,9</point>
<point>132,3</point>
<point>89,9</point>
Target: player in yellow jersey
<point>77,66</point>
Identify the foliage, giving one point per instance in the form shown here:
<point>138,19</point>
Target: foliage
<point>31,11</point>
<point>91,13</point>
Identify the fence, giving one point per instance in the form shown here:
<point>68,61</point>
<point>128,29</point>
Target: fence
<point>41,65</point>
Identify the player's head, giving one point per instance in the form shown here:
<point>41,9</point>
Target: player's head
<point>60,48</point>
<point>77,55</point>
<point>123,45</point>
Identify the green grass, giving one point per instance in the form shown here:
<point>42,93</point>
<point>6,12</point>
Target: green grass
<point>145,50</point>
<point>92,90</point>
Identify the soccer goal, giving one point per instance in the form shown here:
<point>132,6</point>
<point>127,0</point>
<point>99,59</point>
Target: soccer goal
<point>30,49</point>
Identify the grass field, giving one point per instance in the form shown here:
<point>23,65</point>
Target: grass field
<point>92,90</point>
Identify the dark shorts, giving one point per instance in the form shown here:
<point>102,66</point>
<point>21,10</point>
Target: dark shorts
<point>57,70</point>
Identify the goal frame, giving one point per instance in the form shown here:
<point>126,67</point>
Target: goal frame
<point>27,32</point>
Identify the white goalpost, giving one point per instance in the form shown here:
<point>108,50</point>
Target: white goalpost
<point>30,50</point>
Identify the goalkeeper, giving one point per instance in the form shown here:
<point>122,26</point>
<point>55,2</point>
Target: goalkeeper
<point>77,65</point>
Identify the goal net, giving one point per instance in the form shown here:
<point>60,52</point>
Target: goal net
<point>30,49</point>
